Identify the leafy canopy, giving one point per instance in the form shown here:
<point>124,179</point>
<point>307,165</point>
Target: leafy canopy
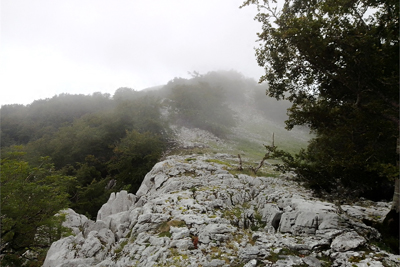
<point>30,197</point>
<point>337,62</point>
<point>134,156</point>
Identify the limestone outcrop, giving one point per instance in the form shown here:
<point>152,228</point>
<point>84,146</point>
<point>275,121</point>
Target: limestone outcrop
<point>198,211</point>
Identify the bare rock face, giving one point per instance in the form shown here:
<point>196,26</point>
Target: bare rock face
<point>192,211</point>
<point>117,203</point>
<point>74,221</point>
<point>347,241</point>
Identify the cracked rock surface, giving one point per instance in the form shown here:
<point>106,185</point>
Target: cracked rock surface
<point>196,211</point>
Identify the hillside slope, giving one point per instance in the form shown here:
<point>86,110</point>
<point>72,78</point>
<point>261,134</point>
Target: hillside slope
<point>199,210</point>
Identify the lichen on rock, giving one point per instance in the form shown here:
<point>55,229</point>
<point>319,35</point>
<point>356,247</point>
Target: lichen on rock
<point>195,212</point>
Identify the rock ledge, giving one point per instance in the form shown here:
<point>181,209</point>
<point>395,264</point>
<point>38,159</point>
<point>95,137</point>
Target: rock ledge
<point>191,211</point>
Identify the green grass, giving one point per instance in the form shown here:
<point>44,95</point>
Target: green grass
<point>121,247</point>
<point>260,173</point>
<point>234,213</point>
<point>249,143</point>
<point>165,234</point>
<point>219,162</point>
<point>252,147</point>
<point>164,228</point>
<point>249,149</point>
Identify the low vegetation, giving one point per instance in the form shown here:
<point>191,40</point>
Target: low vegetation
<point>164,228</point>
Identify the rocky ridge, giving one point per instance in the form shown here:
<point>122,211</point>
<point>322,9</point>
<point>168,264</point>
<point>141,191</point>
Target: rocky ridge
<point>198,210</point>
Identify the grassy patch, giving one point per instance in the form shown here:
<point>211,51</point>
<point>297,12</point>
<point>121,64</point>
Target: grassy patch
<point>260,173</point>
<point>234,213</point>
<point>164,228</point>
<point>357,258</point>
<point>216,252</point>
<point>231,245</point>
<point>219,162</point>
<point>193,189</point>
<point>165,234</point>
<point>121,247</point>
<point>245,171</point>
<point>258,223</point>
<point>252,147</point>
<point>250,237</point>
<point>252,150</point>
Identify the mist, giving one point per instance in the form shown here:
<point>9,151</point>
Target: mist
<point>82,47</point>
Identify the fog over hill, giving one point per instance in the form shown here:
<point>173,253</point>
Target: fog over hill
<point>170,176</point>
<point>88,146</point>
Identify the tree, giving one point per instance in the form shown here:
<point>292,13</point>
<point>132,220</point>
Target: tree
<point>30,197</point>
<point>338,63</point>
<point>90,190</point>
<point>134,156</point>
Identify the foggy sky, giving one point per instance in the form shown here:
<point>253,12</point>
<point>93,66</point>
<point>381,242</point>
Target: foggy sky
<point>50,47</point>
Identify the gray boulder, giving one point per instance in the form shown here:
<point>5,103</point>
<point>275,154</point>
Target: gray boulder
<point>190,211</point>
<point>347,241</point>
<point>119,202</point>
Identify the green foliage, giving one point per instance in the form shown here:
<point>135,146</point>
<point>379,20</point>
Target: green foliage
<point>90,140</point>
<point>337,62</point>
<point>27,215</point>
<point>165,234</point>
<point>111,143</point>
<point>121,246</point>
<point>21,124</point>
<point>141,113</point>
<point>88,199</point>
<point>164,228</point>
<point>134,156</point>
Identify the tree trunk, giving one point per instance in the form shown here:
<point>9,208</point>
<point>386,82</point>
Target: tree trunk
<point>240,163</point>
<point>391,224</point>
<point>396,200</point>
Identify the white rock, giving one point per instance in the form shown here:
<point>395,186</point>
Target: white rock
<point>74,220</point>
<point>288,219</point>
<point>106,237</point>
<point>347,241</point>
<point>214,263</point>
<point>306,223</point>
<point>251,263</point>
<point>59,251</point>
<point>219,217</point>
<point>119,202</point>
<point>91,246</point>
<point>93,226</point>
<point>179,232</point>
<point>119,223</point>
<point>312,261</point>
<point>271,214</point>
<point>249,252</point>
<point>183,244</point>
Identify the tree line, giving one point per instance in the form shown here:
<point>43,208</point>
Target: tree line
<point>74,150</point>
